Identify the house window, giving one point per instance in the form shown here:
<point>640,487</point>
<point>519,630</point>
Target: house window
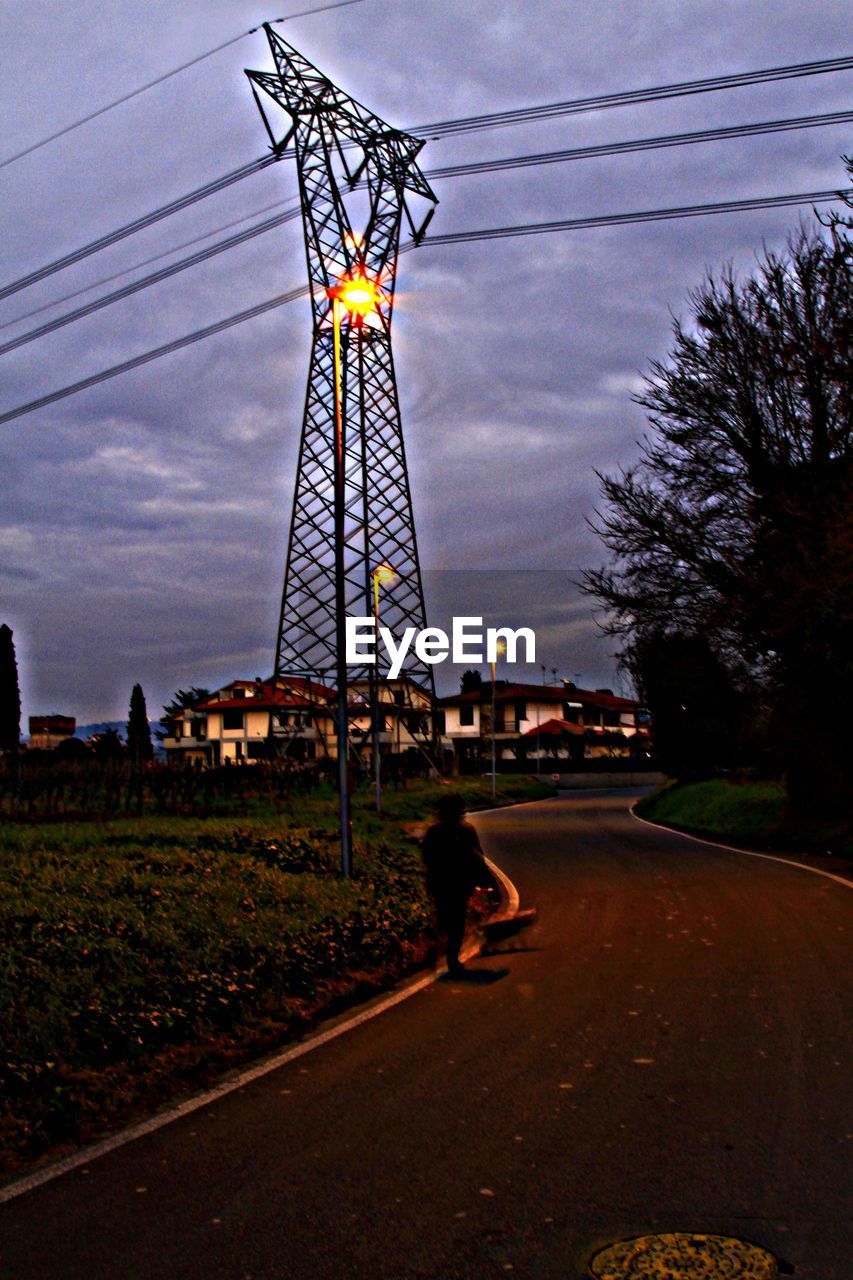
<point>520,711</point>
<point>438,720</point>
<point>232,719</point>
<point>400,697</point>
<point>256,750</point>
<point>466,715</point>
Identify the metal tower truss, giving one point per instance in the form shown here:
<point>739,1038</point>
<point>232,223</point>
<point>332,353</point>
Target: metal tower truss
<point>352,227</point>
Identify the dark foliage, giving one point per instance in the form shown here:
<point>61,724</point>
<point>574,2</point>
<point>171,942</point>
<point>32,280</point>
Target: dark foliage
<point>735,529</point>
<point>10,697</point>
<point>139,748</point>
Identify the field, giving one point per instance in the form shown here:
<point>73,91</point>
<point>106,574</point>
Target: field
<point>143,956</point>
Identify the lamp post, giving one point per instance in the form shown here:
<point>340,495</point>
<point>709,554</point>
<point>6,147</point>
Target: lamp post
<point>382,573</point>
<point>356,296</point>
<point>500,647</point>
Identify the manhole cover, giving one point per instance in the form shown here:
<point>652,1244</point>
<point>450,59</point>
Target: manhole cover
<point>683,1256</point>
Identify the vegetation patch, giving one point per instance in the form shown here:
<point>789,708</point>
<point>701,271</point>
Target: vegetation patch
<point>756,814</point>
<point>142,956</point>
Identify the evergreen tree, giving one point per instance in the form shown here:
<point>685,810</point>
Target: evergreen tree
<point>139,748</point>
<point>10,697</point>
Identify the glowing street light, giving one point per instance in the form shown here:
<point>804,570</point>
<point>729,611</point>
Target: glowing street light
<point>358,296</point>
<point>382,573</point>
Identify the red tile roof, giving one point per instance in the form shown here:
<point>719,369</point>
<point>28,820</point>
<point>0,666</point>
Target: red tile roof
<point>541,693</point>
<point>554,729</point>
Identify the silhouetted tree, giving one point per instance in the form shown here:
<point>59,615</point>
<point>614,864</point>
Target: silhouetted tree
<point>183,699</point>
<point>696,709</point>
<point>139,748</point>
<point>471,682</point>
<point>10,695</point>
<point>108,745</point>
<point>736,526</point>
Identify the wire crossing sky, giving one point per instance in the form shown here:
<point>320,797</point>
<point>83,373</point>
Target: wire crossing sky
<point>467,125</point>
<point>485,166</point>
<point>146,488</point>
<point>167,75</point>
<point>453,237</point>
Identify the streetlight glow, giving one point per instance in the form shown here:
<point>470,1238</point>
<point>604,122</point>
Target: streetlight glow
<point>359,295</point>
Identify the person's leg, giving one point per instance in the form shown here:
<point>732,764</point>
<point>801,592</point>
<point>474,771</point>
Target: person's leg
<point>455,929</point>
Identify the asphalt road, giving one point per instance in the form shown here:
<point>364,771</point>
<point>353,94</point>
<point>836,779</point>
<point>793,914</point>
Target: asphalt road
<point>667,1049</point>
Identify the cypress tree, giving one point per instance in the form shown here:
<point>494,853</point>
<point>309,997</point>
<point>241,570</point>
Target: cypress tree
<point>139,748</point>
<point>10,696</point>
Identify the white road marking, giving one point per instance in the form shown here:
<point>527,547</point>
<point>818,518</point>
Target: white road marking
<point>509,888</point>
<point>747,853</point>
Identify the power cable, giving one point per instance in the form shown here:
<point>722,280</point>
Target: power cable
<point>442,128</point>
<point>655,93</point>
<point>643,144</point>
<point>146,262</point>
<point>485,166</point>
<point>127,290</point>
<point>129,228</point>
<point>166,349</point>
<point>458,237</point>
<point>624,219</point>
<point>134,93</point>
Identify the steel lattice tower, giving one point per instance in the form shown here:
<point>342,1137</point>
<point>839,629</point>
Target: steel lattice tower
<point>331,135</point>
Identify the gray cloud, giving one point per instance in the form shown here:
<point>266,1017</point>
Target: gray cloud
<point>143,523</point>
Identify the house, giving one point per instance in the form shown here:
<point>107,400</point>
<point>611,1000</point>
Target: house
<point>249,720</point>
<point>48,732</point>
<point>294,718</point>
<point>532,721</point>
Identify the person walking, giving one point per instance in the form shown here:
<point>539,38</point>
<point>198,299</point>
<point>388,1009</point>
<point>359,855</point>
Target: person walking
<point>455,866</point>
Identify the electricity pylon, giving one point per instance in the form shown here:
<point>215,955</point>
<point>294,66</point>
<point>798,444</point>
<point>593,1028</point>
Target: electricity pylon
<point>352,507</point>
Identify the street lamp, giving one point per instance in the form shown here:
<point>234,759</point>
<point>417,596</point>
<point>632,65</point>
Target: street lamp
<point>500,647</point>
<point>356,296</point>
<point>382,573</point>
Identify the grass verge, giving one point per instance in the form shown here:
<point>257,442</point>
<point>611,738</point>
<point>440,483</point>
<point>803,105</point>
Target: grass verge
<point>749,813</point>
<point>142,957</point>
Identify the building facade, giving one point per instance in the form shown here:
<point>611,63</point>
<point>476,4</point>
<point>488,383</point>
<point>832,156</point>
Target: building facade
<point>542,723</point>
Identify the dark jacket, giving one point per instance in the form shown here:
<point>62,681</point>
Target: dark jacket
<point>454,860</point>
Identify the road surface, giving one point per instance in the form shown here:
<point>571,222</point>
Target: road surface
<point>667,1049</point>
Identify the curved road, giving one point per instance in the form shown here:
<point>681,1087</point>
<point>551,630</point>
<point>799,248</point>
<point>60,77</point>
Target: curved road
<point>667,1049</point>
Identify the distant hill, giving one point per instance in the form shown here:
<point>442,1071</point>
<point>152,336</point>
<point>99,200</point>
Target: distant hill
<point>89,730</point>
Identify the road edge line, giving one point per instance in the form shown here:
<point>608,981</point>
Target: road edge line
<point>171,1113</point>
<point>747,853</point>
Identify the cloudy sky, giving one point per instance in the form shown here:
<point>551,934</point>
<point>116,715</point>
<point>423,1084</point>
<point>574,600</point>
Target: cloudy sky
<point>143,523</point>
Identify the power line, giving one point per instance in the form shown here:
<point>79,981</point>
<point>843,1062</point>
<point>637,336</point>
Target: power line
<point>129,228</point>
<point>135,362</point>
<point>164,273</point>
<point>146,262</point>
<point>484,166</point>
<point>624,219</point>
<point>443,128</point>
<point>655,93</point>
<point>643,144</point>
<point>458,237</point>
<point>167,75</point>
